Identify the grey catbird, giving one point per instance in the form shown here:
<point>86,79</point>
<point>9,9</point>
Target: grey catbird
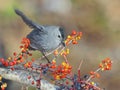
<point>44,38</point>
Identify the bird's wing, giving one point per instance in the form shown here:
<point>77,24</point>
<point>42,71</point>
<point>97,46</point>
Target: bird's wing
<point>29,22</point>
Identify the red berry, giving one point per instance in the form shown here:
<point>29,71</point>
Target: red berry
<point>74,32</point>
<point>21,46</point>
<point>11,63</point>
<point>14,62</point>
<point>3,62</point>
<point>92,73</point>
<point>1,59</point>
<point>32,82</point>
<point>30,54</point>
<point>21,60</point>
<point>23,50</point>
<point>6,63</point>
<point>67,82</point>
<point>15,59</point>
<point>12,68</point>
<point>20,56</point>
<point>74,42</point>
<point>29,77</point>
<point>63,70</point>
<point>80,33</point>
<point>14,53</point>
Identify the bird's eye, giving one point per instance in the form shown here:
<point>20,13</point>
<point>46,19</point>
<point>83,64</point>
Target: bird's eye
<point>58,36</point>
<point>61,29</point>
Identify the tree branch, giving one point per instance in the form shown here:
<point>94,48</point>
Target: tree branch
<point>21,76</point>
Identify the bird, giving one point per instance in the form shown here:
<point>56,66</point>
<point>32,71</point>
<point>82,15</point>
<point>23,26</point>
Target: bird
<point>44,38</point>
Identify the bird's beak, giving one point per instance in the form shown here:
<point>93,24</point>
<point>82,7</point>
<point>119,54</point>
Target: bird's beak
<point>63,43</point>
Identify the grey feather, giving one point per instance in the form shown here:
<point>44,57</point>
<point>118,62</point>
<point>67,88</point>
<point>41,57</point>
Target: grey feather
<point>29,22</point>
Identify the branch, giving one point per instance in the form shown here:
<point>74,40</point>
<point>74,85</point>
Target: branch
<point>21,76</point>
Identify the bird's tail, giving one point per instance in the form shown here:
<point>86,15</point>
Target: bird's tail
<point>29,22</point>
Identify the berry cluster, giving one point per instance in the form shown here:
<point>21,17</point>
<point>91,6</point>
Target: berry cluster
<point>25,44</point>
<point>20,58</point>
<point>105,64</point>
<point>60,71</point>
<point>84,83</point>
<point>73,37</point>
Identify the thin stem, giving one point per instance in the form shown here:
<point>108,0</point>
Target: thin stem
<point>66,60</point>
<point>92,75</point>
<point>80,64</point>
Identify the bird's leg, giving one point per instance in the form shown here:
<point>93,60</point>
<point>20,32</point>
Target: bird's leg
<point>46,57</point>
<point>48,53</point>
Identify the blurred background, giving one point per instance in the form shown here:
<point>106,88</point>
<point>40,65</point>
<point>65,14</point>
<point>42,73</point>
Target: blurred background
<point>99,20</point>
